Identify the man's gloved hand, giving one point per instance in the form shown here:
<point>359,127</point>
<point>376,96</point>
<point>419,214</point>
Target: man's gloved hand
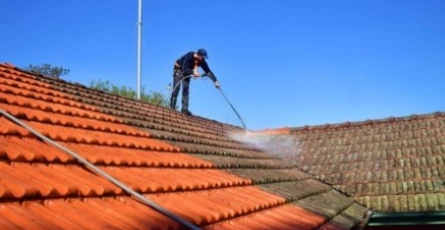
<point>217,84</point>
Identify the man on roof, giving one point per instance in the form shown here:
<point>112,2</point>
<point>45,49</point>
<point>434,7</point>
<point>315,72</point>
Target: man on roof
<point>185,68</point>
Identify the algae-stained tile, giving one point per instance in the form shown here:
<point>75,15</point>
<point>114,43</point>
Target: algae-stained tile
<point>423,204</point>
<point>432,201</point>
<point>404,206</point>
<point>441,201</point>
<point>384,201</point>
<point>392,188</point>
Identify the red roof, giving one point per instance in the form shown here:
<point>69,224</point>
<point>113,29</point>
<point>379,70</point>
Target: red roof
<point>188,166</point>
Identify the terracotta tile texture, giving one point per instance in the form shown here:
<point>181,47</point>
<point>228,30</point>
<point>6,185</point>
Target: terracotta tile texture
<point>189,165</point>
<point>393,164</point>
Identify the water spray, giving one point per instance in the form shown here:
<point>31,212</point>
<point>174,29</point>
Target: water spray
<point>275,143</point>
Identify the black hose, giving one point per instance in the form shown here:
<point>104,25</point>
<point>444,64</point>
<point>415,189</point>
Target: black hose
<point>177,84</point>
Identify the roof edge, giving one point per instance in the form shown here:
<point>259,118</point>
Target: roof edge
<point>275,131</point>
<point>371,122</point>
<point>85,87</point>
<point>407,218</point>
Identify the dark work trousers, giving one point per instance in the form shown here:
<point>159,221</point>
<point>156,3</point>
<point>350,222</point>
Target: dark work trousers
<point>179,80</point>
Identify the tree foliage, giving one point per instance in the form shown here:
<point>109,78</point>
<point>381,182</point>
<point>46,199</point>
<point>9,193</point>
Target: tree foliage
<point>156,98</point>
<point>47,70</point>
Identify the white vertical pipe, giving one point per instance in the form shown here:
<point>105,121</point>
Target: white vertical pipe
<point>139,52</point>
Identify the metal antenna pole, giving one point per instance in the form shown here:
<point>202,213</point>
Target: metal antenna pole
<point>139,50</point>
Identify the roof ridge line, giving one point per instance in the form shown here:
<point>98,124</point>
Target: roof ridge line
<point>370,122</point>
<point>84,88</point>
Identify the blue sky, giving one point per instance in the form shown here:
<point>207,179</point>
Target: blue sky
<point>280,63</point>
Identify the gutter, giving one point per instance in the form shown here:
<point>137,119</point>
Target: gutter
<point>406,218</point>
<point>365,222</point>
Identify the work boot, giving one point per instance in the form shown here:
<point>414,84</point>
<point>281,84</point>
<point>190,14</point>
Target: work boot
<point>186,112</point>
<point>173,103</point>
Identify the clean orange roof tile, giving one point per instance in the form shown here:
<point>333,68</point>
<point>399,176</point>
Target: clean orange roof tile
<point>280,217</point>
<point>7,127</point>
<point>174,160</point>
<point>31,149</point>
<point>13,212</point>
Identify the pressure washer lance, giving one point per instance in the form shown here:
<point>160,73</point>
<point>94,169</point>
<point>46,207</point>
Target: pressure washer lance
<point>220,90</point>
<point>233,108</point>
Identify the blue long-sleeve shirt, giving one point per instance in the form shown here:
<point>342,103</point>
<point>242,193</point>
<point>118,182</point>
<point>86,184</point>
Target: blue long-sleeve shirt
<point>188,62</point>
